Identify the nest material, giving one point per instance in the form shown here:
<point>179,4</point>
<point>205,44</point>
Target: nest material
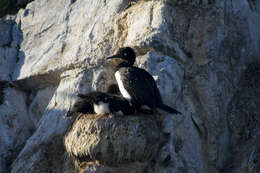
<point>113,140</point>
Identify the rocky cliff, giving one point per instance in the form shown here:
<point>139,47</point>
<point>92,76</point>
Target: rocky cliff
<point>204,55</point>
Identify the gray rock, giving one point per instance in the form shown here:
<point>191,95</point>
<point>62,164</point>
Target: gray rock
<point>52,125</point>
<point>5,32</point>
<point>8,51</point>
<point>15,126</point>
<point>244,123</point>
<point>39,104</point>
<point>7,62</point>
<point>198,52</point>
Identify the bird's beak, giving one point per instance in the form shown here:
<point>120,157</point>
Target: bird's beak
<point>114,56</point>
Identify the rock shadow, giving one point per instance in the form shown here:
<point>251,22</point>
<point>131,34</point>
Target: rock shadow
<point>27,90</point>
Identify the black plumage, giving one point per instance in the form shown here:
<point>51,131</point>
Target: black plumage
<point>138,83</point>
<point>81,106</point>
<point>86,104</point>
<point>113,89</point>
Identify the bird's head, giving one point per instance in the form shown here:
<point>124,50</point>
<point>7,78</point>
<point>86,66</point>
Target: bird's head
<point>126,54</point>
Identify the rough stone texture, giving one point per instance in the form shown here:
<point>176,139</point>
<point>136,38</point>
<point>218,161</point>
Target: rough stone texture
<point>8,47</point>
<point>15,127</point>
<point>198,51</point>
<point>40,101</point>
<point>51,128</point>
<point>244,123</point>
<point>114,140</point>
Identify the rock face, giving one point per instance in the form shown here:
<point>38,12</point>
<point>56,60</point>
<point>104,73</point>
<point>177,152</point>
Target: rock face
<point>204,56</point>
<point>243,123</point>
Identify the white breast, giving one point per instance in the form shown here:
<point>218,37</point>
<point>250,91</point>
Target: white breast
<point>101,107</point>
<point>122,89</point>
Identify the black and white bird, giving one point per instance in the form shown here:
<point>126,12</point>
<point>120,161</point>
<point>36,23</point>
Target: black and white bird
<point>137,85</point>
<point>99,102</point>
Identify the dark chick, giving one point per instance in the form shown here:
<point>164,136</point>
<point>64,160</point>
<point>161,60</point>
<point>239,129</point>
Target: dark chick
<point>81,106</point>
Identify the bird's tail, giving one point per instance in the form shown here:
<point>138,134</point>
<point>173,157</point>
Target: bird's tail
<point>168,109</point>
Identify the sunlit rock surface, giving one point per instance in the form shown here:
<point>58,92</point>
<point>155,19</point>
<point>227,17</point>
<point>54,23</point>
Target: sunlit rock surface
<point>199,52</point>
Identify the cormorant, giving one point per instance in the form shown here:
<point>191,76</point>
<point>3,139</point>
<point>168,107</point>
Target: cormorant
<point>137,85</point>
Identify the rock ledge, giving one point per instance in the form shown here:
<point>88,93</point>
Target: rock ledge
<point>113,140</point>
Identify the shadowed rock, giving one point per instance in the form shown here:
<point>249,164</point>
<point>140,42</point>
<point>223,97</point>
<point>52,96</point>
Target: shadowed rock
<point>3,85</point>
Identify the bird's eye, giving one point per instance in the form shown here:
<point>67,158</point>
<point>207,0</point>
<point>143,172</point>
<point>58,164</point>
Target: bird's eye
<point>124,54</point>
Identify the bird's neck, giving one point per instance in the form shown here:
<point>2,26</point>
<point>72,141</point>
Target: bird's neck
<point>123,64</point>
